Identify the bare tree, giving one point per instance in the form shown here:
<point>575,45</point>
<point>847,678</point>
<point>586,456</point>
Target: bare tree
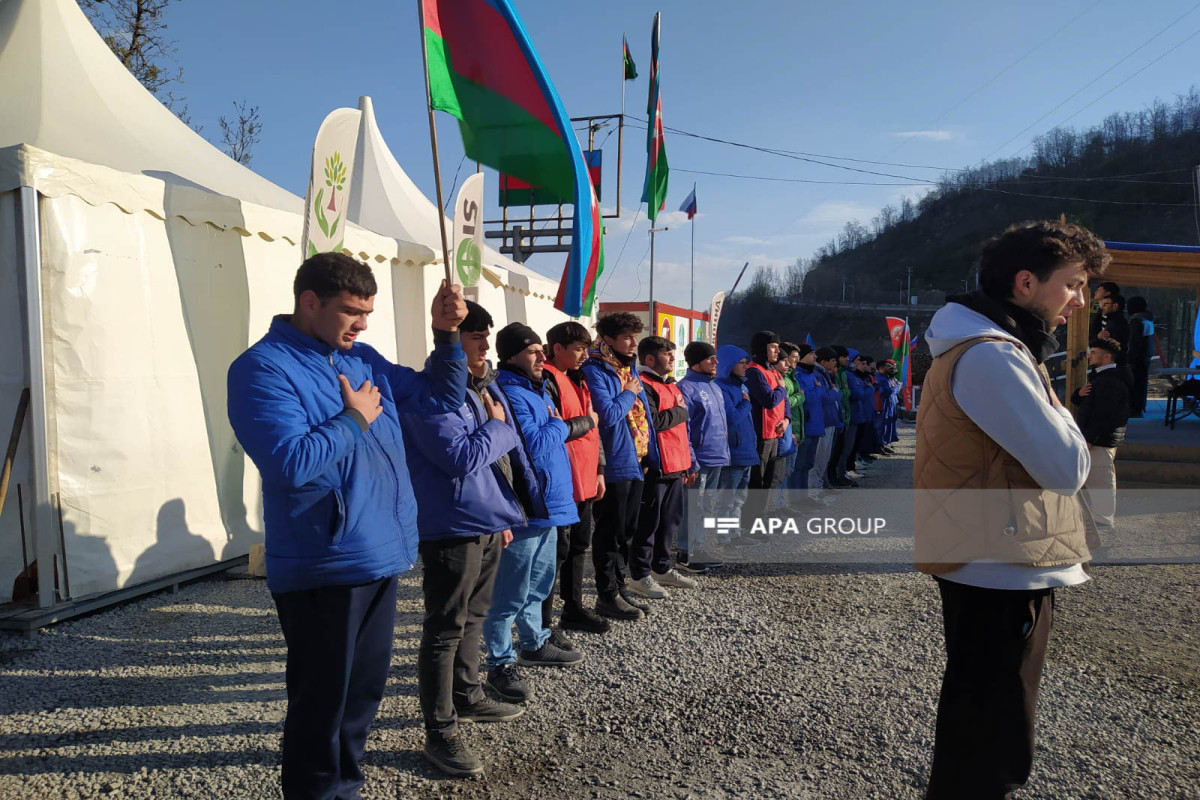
<point>793,278</point>
<point>135,30</point>
<point>240,135</point>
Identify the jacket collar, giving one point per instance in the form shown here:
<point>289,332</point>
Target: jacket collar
<point>646,372</point>
<point>692,375</point>
<point>281,326</point>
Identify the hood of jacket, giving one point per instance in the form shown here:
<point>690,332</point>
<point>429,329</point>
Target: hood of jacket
<point>1011,321</point>
<point>954,324</point>
<point>728,355</point>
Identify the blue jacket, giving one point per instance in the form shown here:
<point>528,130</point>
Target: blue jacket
<point>831,400</point>
<point>862,397</point>
<point>739,422</point>
<point>889,390</point>
<point>453,462</point>
<point>545,440</point>
<point>337,501</point>
<point>612,405</point>
<point>707,425</point>
<point>814,385</point>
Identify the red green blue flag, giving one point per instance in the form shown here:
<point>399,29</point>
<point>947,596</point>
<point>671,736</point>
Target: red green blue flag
<point>654,193</point>
<point>484,71</point>
<point>630,67</point>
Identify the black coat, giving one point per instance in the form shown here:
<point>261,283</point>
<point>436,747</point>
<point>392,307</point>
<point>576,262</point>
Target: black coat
<point>1117,326</point>
<point>1103,413</point>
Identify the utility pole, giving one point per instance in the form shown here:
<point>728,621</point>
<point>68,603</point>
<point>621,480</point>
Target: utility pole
<point>908,296</point>
<point>653,320</point>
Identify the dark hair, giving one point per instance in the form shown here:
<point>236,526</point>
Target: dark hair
<point>1110,287</point>
<point>566,334</point>
<point>1108,345</point>
<point>866,359</point>
<point>618,323</point>
<point>789,348</point>
<point>329,274</point>
<point>1118,299</point>
<point>478,320</point>
<point>1136,305</point>
<point>1040,247</point>
<point>652,346</point>
<point>825,353</point>
<point>839,350</point>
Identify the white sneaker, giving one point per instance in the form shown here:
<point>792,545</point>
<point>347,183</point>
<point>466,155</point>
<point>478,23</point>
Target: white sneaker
<point>672,578</point>
<point>854,475</point>
<point>646,587</point>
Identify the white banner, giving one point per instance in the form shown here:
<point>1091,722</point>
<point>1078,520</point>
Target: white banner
<point>468,230</point>
<point>329,178</point>
<point>714,315</point>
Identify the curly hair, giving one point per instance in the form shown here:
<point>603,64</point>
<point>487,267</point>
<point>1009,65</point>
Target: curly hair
<point>618,323</point>
<point>1041,247</point>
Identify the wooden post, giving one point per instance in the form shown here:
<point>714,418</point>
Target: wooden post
<point>1075,361</point>
<point>433,141</point>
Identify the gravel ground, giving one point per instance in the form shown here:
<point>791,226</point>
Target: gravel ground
<point>796,681</point>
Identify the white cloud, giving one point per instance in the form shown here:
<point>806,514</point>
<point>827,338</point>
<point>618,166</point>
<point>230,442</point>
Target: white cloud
<point>933,136</point>
<point>746,240</point>
<point>833,214</point>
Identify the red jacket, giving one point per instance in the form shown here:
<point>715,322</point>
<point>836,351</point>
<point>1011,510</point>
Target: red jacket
<point>673,445</point>
<point>771,416</point>
<point>584,453</point>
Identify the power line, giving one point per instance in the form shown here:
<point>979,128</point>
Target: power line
<point>1079,199</point>
<point>1092,82</point>
<point>791,180</point>
<point>617,263</point>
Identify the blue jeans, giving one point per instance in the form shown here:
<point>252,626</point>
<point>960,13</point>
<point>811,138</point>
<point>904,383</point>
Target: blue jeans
<point>788,470</point>
<point>691,534</point>
<point>736,482</point>
<point>806,459</point>
<point>524,579</point>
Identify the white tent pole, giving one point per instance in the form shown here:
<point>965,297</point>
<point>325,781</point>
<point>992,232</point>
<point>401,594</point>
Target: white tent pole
<point>42,518</point>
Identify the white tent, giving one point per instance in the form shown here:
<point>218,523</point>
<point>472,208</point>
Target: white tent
<point>136,261</point>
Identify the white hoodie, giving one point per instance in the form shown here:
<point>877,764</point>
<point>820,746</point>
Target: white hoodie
<point>998,386</point>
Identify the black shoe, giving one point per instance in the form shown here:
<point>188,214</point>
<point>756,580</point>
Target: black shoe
<point>451,755</point>
<point>617,608</point>
<point>869,459</point>
<point>549,655</point>
<point>843,483</point>
<point>688,568</point>
<point>560,640</point>
<point>628,597</point>
<point>583,619</point>
<point>509,683</point>
<point>488,710</point>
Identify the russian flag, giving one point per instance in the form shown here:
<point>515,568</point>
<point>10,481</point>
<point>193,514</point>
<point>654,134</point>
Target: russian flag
<point>689,205</point>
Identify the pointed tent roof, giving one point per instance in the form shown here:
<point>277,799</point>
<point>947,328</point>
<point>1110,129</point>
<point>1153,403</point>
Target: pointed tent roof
<point>66,93</point>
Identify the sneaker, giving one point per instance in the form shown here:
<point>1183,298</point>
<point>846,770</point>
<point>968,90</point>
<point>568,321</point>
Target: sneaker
<point>509,683</point>
<point>854,475</point>
<point>672,578</point>
<point>451,755</point>
<point>688,567</point>
<point>583,619</point>
<point>617,608</point>
<point>488,710</point>
<point>549,655</point>
<point>633,600</point>
<point>560,640</point>
<point>647,587</point>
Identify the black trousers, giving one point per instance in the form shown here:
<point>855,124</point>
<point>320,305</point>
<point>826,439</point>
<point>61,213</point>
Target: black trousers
<point>835,453</point>
<point>995,649</point>
<point>657,526</point>
<point>570,561</point>
<point>457,582</point>
<point>1141,384</point>
<point>616,520</point>
<point>339,643</point>
<point>765,476</point>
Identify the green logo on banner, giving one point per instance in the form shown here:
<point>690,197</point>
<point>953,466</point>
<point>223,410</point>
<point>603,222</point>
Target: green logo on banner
<point>470,262</point>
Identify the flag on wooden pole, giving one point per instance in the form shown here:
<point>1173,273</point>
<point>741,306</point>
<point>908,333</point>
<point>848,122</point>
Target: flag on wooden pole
<point>654,193</point>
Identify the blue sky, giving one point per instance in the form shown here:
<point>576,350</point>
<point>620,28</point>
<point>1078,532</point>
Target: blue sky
<point>921,83</point>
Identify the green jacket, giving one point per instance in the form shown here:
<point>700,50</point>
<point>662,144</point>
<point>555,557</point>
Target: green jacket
<point>796,404</point>
<point>843,387</point>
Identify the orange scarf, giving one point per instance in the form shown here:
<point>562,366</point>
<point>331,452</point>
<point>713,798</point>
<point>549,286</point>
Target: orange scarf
<point>639,426</point>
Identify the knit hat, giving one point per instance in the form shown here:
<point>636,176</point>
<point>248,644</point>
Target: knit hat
<point>759,343</point>
<point>513,338</point>
<point>696,352</point>
<point>805,349</point>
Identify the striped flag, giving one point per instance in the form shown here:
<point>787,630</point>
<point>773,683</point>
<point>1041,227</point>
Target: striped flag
<point>654,193</point>
<point>483,70</point>
<point>689,205</point>
<point>630,67</point>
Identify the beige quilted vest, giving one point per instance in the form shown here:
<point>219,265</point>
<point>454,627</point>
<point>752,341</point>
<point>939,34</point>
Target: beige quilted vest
<point>974,501</point>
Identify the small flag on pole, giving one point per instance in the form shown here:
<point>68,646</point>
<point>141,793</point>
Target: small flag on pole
<point>654,192</point>
<point>630,67</point>
<point>689,205</point>
<point>808,341</point>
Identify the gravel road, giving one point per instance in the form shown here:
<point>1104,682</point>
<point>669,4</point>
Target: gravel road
<point>788,681</point>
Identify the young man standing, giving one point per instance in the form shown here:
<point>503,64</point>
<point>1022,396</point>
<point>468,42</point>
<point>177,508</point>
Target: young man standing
<point>670,468</point>
<point>526,574</point>
<point>789,440</point>
<point>1105,289</point>
<point>998,523</point>
<point>1102,411</point>
<point>625,434</point>
<point>708,428</point>
<point>317,412</point>
<point>462,465</point>
<point>809,383</point>
<point>1113,324</point>
<point>768,399</point>
<point>1140,353</point>
<point>837,464</point>
<point>569,343</point>
<point>889,391</point>
<point>732,363</point>
<point>830,399</point>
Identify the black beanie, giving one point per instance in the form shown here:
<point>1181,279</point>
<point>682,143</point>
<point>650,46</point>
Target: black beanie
<point>805,350</point>
<point>759,342</point>
<point>696,352</point>
<point>513,338</point>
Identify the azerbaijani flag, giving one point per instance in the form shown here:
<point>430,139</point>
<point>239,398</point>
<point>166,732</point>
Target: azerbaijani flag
<point>899,332</point>
<point>689,205</point>
<point>654,193</point>
<point>808,341</point>
<point>483,70</point>
<point>630,67</point>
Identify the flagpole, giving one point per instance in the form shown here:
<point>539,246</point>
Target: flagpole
<point>437,170</point>
<point>621,128</point>
<point>693,300</point>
